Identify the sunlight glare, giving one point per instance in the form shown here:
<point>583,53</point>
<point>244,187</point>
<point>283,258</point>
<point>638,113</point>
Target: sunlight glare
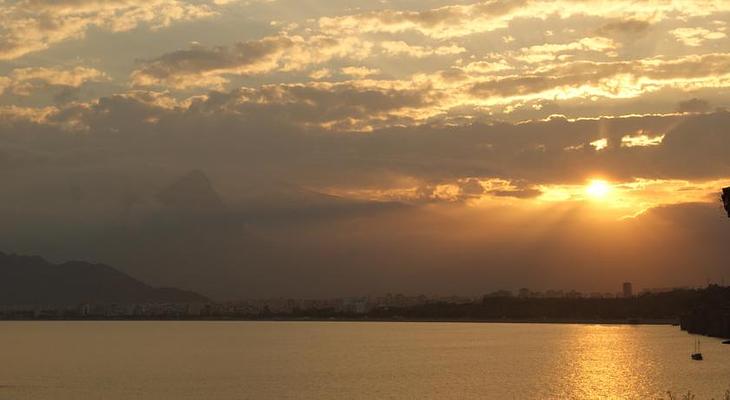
<point>598,189</point>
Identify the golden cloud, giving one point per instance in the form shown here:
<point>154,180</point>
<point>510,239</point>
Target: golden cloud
<point>554,51</point>
<point>395,48</point>
<point>23,81</point>
<point>360,72</point>
<point>208,67</point>
<point>32,25</point>
<point>641,140</point>
<point>632,198</point>
<point>460,20</point>
<point>695,37</point>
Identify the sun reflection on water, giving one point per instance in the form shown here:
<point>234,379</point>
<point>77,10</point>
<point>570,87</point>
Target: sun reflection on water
<point>606,363</point>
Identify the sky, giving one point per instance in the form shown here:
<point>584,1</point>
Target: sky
<point>320,148</point>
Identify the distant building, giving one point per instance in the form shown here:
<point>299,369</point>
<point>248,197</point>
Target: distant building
<point>628,289</point>
<point>355,305</point>
<point>554,294</point>
<point>195,310</point>
<point>499,293</point>
<point>662,290</point>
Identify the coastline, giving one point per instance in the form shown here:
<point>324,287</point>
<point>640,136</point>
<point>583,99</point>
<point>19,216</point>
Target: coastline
<point>566,321</point>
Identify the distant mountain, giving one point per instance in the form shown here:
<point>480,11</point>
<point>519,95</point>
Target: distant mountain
<point>192,192</point>
<point>31,280</point>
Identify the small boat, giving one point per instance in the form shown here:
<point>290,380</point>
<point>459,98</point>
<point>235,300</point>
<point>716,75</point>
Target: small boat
<point>697,355</point>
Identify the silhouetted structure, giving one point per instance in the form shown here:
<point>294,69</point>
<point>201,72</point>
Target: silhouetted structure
<point>711,313</point>
<point>628,289</point>
<point>697,354</point>
<point>711,316</point>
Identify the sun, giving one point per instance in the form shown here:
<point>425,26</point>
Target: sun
<point>598,189</point>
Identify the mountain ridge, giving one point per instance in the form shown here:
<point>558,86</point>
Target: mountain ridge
<point>32,280</point>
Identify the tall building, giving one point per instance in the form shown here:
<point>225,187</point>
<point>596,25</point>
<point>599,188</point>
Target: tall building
<point>628,289</point>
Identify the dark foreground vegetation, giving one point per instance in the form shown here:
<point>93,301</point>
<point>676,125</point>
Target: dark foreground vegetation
<point>710,313</point>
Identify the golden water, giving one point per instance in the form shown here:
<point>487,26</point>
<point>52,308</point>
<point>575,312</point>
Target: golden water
<point>282,360</point>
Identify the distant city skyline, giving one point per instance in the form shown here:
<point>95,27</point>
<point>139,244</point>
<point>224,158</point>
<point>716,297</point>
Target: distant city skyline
<point>33,281</point>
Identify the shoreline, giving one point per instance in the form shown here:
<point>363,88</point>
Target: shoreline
<point>556,321</point>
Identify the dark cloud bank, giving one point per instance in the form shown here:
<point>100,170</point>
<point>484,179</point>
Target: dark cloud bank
<point>256,223</point>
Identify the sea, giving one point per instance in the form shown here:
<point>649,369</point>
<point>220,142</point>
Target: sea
<point>355,360</point>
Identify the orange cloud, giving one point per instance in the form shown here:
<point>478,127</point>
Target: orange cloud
<point>641,140</point>
<point>461,20</point>
<point>23,81</point>
<point>395,48</point>
<point>28,26</point>
<point>208,67</point>
<point>695,37</point>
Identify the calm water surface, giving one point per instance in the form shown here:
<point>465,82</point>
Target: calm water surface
<point>262,360</point>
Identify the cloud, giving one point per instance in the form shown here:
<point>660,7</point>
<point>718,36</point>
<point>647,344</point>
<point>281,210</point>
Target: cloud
<point>578,70</point>
<point>628,27</point>
<point>619,79</point>
<point>352,248</point>
<point>209,67</point>
<point>599,144</point>
<point>396,48</point>
<point>355,106</point>
<point>480,87</point>
<point>345,106</point>
<point>487,67</point>
<point>555,51</point>
<point>430,149</point>
<point>13,114</point>
<point>28,26</point>
<point>693,106</point>
<point>360,72</point>
<point>485,85</point>
<point>695,37</point>
<point>24,81</point>
<point>487,16</point>
<point>315,124</point>
<point>295,188</point>
<point>641,140</point>
<point>321,73</point>
<point>444,22</point>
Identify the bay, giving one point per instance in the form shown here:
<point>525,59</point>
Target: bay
<point>354,360</point>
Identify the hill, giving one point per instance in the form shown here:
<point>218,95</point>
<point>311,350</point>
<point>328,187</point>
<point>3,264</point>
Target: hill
<point>31,280</point>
